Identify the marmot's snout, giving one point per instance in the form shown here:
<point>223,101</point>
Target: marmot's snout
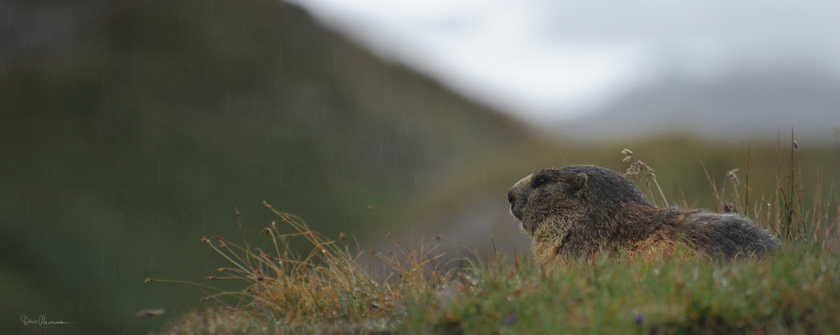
<point>512,199</point>
<point>516,197</point>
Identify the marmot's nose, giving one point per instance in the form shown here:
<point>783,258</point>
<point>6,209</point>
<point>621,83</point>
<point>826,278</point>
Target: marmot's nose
<point>510,196</point>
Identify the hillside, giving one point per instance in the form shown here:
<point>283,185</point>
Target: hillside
<point>132,129</point>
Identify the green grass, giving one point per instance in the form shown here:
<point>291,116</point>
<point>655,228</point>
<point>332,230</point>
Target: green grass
<point>793,293</point>
<point>340,287</point>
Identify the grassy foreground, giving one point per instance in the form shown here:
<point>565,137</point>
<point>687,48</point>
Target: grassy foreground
<point>341,288</point>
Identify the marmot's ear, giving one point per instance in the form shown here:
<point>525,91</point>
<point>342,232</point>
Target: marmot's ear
<point>578,183</point>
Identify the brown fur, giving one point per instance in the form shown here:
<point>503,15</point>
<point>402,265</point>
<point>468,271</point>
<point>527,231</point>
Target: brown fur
<point>580,211</point>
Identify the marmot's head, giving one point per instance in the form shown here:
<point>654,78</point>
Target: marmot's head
<point>577,193</point>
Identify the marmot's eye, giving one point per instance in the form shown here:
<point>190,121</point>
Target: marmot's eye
<point>539,181</point>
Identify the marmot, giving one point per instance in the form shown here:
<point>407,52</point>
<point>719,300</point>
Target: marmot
<point>579,211</point>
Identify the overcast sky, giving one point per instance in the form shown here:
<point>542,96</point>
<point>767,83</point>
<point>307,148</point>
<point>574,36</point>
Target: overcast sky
<point>549,60</point>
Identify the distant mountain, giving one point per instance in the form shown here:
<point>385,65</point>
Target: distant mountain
<point>130,129</point>
<point>739,106</point>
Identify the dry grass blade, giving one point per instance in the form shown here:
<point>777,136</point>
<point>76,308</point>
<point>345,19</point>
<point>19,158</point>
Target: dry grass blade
<point>644,173</point>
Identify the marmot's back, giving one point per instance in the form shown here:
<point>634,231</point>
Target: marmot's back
<point>729,235</point>
<point>581,210</point>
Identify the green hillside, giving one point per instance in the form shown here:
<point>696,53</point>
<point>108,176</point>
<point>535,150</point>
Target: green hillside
<point>124,146</point>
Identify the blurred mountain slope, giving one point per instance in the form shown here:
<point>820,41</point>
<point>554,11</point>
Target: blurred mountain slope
<point>130,129</point>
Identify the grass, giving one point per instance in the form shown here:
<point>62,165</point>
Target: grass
<point>330,287</point>
<point>342,288</point>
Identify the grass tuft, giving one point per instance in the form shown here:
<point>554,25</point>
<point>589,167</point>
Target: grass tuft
<point>326,287</point>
